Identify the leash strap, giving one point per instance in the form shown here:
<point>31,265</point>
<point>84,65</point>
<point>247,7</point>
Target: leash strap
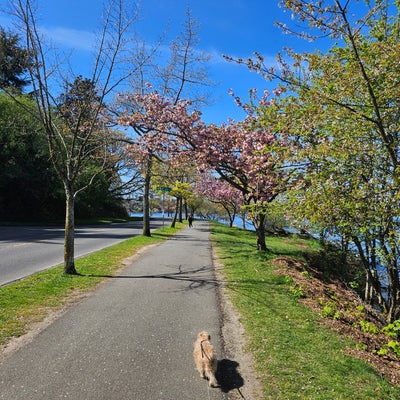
<point>203,353</point>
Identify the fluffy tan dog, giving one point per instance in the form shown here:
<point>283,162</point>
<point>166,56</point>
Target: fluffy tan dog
<point>205,358</point>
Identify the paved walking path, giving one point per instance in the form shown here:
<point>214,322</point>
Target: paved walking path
<point>132,338</point>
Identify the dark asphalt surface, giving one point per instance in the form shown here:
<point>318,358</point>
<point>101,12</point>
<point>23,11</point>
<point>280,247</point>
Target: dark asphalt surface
<point>132,338</point>
<point>25,250</point>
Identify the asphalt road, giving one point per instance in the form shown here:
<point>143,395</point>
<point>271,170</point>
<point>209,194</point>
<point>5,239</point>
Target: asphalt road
<point>132,338</point>
<point>29,249</point>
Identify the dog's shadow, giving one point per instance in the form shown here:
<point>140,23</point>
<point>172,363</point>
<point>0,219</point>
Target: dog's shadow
<point>228,376</point>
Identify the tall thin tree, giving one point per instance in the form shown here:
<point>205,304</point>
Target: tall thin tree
<point>75,126</point>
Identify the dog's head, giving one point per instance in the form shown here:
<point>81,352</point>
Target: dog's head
<point>204,336</point>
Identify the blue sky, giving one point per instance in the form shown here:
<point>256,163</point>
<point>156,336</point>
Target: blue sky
<point>232,27</point>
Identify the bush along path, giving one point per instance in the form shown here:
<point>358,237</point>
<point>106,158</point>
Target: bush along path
<point>311,336</point>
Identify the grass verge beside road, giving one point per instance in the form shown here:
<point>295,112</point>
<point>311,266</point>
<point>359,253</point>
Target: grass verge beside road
<point>30,300</point>
<point>297,357</point>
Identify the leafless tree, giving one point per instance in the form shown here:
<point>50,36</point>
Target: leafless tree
<point>76,125</point>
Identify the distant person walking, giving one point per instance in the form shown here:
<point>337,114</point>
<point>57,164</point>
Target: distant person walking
<point>190,219</point>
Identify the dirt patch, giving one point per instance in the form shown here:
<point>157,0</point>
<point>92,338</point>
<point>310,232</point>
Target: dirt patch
<point>344,312</point>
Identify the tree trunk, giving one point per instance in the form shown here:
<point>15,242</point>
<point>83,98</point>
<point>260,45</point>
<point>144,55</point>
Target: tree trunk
<point>69,238</point>
<point>369,290</point>
<point>146,198</point>
<point>372,274</point>
<point>261,245</point>
<point>180,210</point>
<point>231,215</point>
<point>244,221</point>
<point>231,218</point>
<point>176,213</point>
<point>394,290</point>
<point>260,231</point>
<point>393,313</point>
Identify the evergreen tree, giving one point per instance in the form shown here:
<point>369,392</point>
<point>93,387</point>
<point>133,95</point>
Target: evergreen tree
<point>14,61</point>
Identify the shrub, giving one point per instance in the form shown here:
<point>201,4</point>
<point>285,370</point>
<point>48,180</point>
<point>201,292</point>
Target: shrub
<point>392,329</point>
<point>330,310</point>
<point>367,327</point>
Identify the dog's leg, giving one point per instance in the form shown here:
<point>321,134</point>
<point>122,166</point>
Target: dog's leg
<point>200,368</point>
<point>212,381</point>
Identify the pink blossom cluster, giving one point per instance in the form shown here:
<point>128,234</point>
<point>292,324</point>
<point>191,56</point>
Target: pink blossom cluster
<point>218,190</point>
<point>242,153</point>
<point>161,125</point>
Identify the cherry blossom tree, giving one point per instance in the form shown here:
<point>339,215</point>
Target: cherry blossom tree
<point>183,76</point>
<point>246,155</point>
<point>161,124</point>
<point>220,192</point>
<point>249,155</point>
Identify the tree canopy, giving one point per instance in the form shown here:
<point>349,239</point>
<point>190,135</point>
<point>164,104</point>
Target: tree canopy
<point>15,61</point>
<point>341,110</point>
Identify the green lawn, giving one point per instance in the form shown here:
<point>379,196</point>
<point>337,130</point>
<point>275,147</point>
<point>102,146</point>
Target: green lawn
<point>296,356</point>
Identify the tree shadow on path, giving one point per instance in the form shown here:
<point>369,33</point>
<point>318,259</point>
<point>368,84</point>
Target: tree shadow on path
<point>193,277</point>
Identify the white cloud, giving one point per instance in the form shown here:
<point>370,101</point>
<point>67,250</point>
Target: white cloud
<point>71,38</point>
<point>66,37</point>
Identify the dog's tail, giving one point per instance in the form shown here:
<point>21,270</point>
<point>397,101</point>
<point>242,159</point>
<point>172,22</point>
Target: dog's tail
<point>212,381</point>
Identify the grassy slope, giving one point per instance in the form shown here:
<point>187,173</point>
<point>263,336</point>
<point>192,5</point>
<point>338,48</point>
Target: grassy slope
<point>296,356</point>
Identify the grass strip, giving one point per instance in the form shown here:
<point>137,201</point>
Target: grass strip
<point>31,299</point>
<point>296,356</point>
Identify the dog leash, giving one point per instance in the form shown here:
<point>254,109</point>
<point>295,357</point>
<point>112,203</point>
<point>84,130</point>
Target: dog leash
<point>203,353</point>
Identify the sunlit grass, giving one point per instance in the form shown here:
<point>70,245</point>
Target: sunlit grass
<point>31,299</point>
<point>296,356</point>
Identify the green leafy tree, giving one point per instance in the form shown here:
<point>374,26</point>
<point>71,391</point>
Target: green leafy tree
<point>343,119</point>
<point>180,178</point>
<point>14,62</point>
<point>183,193</point>
<point>29,186</point>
